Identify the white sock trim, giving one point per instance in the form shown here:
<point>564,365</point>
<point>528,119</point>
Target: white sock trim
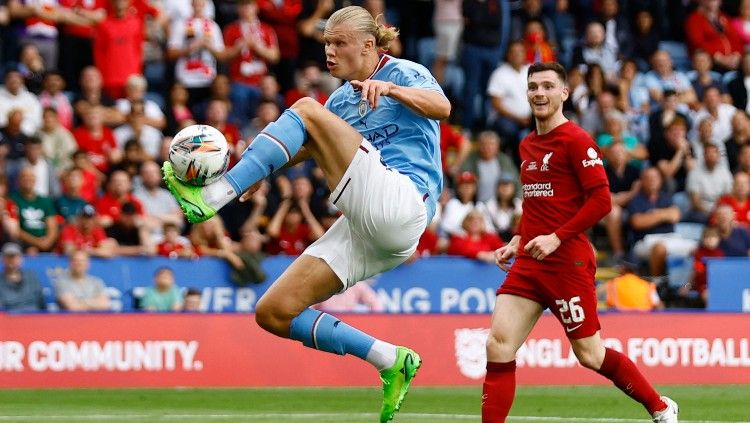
<point>219,194</point>
<point>382,355</point>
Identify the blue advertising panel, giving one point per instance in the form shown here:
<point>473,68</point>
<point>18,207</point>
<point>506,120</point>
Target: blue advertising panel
<point>430,285</point>
<point>729,284</point>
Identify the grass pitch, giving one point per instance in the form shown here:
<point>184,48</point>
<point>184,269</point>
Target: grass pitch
<point>355,405</point>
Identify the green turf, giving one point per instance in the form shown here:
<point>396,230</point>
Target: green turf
<point>576,404</point>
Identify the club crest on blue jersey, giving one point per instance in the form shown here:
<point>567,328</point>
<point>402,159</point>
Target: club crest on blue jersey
<point>362,108</point>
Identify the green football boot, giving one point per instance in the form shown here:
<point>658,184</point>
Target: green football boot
<point>396,382</point>
<point>188,196</point>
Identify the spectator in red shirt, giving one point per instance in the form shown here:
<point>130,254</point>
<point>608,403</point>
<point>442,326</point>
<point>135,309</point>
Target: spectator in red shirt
<point>711,31</point>
<point>109,205</point>
<point>97,140</point>
<point>739,198</point>
<point>120,32</point>
<point>454,149</point>
<point>9,224</point>
<point>709,247</point>
<point>210,238</point>
<point>293,227</point>
<point>282,16</point>
<point>85,234</point>
<point>216,116</point>
<point>92,177</point>
<point>173,245</point>
<point>307,84</point>
<point>477,242</point>
<point>251,46</point>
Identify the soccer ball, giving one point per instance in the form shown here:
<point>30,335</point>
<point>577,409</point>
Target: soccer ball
<point>199,155</point>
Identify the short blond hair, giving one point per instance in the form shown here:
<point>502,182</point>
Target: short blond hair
<point>362,21</point>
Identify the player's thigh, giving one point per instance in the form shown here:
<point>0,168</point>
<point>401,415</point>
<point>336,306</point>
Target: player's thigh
<point>512,320</point>
<point>307,281</point>
<point>571,297</point>
<point>332,142</point>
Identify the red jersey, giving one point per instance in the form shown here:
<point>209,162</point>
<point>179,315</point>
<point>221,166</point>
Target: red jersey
<point>108,205</point>
<point>450,143</point>
<point>291,243</point>
<point>246,68</point>
<point>294,94</point>
<point>72,233</point>
<point>469,247</point>
<point>283,18</point>
<point>699,266</point>
<point>557,170</point>
<point>169,249</point>
<point>741,210</point>
<point>97,148</point>
<point>125,37</point>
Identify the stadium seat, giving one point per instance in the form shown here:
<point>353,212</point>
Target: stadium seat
<point>689,230</point>
<point>679,54</point>
<point>679,270</point>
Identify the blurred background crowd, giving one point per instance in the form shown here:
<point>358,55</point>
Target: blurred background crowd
<point>93,91</point>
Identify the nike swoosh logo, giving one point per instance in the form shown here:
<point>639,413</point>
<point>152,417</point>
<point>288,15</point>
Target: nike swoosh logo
<point>197,210</point>
<point>568,330</point>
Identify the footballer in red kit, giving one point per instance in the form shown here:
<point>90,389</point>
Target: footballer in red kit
<point>565,192</point>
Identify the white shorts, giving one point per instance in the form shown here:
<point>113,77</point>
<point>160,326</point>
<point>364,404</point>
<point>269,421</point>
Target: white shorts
<point>675,244</point>
<point>383,218</point>
<point>447,37</point>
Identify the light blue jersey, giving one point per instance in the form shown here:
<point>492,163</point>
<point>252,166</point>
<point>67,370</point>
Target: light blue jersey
<point>407,142</point>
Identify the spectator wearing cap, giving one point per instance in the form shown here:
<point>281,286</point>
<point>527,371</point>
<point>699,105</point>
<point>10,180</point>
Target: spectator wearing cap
<point>164,295</point>
<point>457,208</point>
<point>38,221</point>
<point>14,95</point>
<point>58,143</point>
<point>504,209</point>
<point>20,289</point>
<point>87,235</point>
<point>487,163</point>
<point>77,290</point>
<point>109,206</point>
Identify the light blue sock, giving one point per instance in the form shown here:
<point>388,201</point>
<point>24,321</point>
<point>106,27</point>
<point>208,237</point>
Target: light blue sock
<point>270,150</point>
<point>324,332</point>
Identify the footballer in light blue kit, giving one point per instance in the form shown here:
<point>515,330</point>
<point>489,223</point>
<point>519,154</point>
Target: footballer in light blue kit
<point>377,143</point>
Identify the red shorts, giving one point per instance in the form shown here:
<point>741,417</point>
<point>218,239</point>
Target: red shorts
<point>570,296</point>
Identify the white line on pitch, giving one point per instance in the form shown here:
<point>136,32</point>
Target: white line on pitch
<point>306,416</point>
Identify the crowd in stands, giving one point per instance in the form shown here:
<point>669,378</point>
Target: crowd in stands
<point>94,90</point>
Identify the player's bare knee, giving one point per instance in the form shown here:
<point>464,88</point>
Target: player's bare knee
<point>307,108</point>
<point>590,359</point>
<point>271,317</point>
<point>499,349</point>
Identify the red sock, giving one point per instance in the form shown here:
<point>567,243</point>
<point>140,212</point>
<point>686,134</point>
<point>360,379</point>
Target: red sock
<point>625,375</point>
<point>498,391</point>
